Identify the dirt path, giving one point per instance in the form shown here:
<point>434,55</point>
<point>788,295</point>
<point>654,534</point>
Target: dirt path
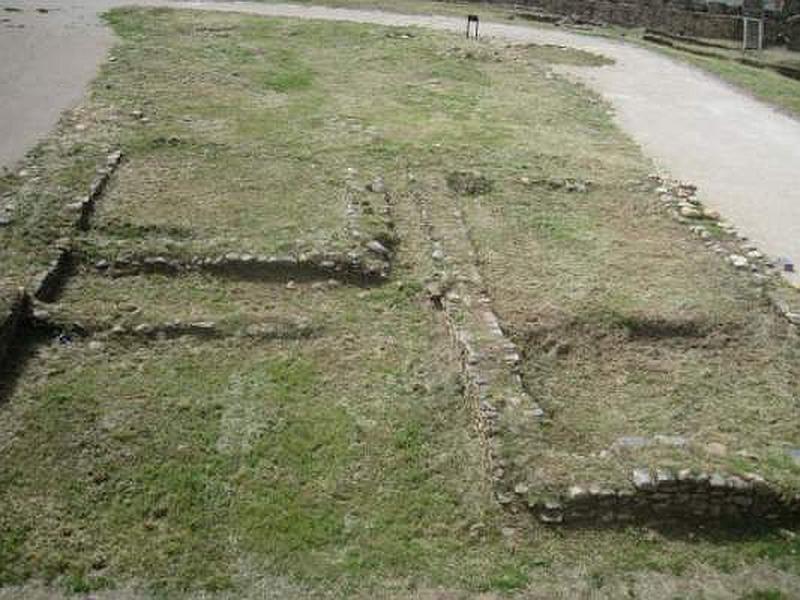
<point>744,155</point>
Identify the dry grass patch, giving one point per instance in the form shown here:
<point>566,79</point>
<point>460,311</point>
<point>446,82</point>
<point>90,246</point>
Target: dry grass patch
<point>344,463</point>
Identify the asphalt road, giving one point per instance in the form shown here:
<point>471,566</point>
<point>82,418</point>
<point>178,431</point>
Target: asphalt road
<point>743,155</point>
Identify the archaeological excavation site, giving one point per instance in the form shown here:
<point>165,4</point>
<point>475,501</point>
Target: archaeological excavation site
<point>304,308</point>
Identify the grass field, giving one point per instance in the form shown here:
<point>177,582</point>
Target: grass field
<point>311,439</point>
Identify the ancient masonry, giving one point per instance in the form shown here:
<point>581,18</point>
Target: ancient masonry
<point>507,416</point>
<point>367,262</point>
<point>490,361</point>
<point>509,420</point>
<point>685,17</point>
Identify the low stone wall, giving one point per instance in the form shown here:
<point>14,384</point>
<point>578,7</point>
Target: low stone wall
<point>372,265</point>
<point>85,207</point>
<point>695,19</point>
<point>666,495</point>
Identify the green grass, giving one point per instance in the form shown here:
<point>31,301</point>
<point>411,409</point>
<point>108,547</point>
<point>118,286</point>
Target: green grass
<point>345,463</point>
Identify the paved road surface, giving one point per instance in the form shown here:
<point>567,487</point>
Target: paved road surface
<point>744,155</point>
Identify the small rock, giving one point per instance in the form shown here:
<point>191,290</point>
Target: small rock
<point>40,314</point>
<point>642,478</point>
<point>551,518</point>
<point>5,220</point>
<point>738,261</point>
<point>521,489</point>
<point>378,248</point>
<point>664,477</point>
<point>291,285</point>
<point>676,441</point>
<point>755,254</point>
<point>575,492</point>
<point>690,212</point>
<point>95,345</point>
<point>377,186</point>
<point>632,441</point>
<point>717,481</point>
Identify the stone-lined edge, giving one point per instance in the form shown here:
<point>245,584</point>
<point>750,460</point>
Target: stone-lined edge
<point>683,494</point>
<point>49,318</point>
<point>680,200</point>
<point>490,361</point>
<point>357,268</point>
<point>85,207</point>
<point>668,495</point>
<point>660,495</point>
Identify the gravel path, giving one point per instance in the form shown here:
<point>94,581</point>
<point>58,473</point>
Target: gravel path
<point>743,154</point>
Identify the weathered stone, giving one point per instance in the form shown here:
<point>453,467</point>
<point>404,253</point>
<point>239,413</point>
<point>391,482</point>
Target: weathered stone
<point>755,255</point>
<point>690,212</point>
<point>738,261</point>
<point>576,493</point>
<point>551,518</point>
<point>717,481</point>
<point>664,477</point>
<point>378,248</point>
<point>642,479</point>
<point>632,442</point>
<point>676,441</point>
<point>377,186</point>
